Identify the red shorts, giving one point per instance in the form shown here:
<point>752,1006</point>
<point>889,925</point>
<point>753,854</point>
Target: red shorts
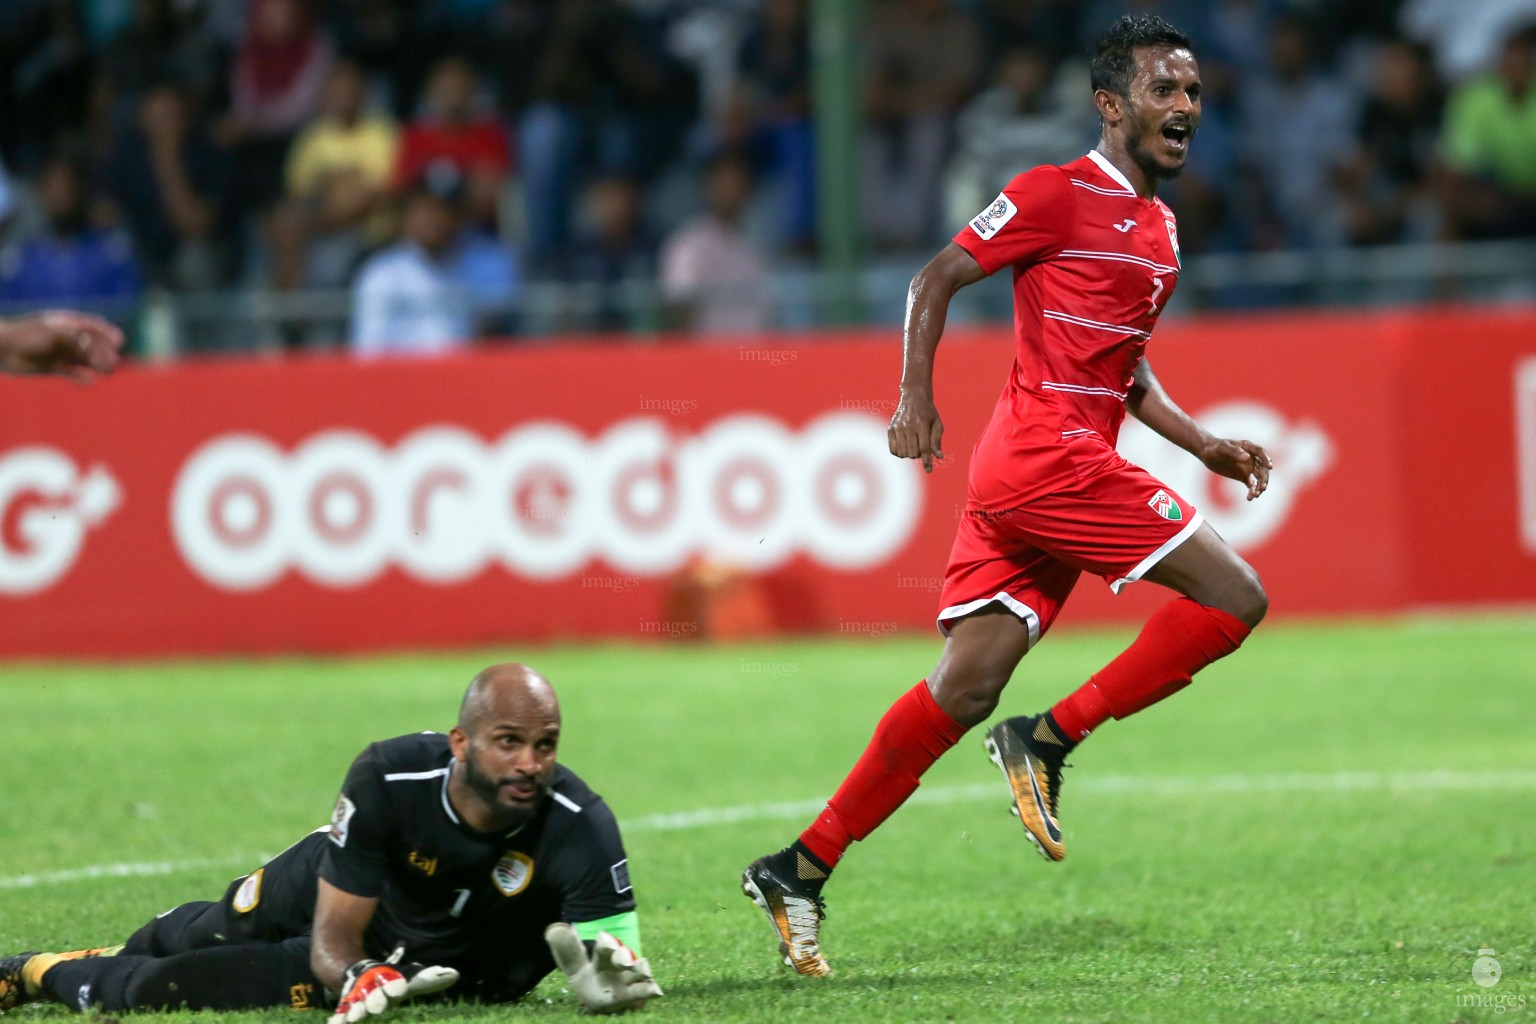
<point>1115,519</point>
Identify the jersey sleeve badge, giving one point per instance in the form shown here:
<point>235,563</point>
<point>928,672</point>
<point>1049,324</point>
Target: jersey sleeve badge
<point>248,896</point>
<point>341,820</point>
<point>991,220</point>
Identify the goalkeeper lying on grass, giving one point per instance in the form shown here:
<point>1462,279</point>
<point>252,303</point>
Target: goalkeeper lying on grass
<point>468,865</point>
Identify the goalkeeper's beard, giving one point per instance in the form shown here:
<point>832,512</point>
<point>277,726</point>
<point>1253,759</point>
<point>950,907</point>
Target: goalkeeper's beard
<point>488,788</point>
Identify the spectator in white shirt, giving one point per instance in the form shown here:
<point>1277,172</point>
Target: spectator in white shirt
<point>424,293</point>
<point>711,272</point>
<point>1029,116</point>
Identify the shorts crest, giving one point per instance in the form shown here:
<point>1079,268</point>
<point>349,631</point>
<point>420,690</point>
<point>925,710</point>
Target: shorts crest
<point>1163,504</point>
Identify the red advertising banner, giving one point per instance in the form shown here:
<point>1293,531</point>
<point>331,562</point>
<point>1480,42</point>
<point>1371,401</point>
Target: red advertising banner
<point>323,504</point>
<point>1467,433</point>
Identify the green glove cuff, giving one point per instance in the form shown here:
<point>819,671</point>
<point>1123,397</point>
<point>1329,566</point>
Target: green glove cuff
<point>625,927</point>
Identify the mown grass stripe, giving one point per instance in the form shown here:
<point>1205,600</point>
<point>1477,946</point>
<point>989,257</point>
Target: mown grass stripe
<point>1136,785</point>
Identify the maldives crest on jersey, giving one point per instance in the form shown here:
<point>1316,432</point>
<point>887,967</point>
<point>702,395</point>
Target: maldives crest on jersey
<point>991,220</point>
<point>1173,237</point>
<point>1163,504</point>
<point>512,873</point>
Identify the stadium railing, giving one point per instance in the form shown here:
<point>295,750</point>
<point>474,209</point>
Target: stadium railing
<point>165,324</point>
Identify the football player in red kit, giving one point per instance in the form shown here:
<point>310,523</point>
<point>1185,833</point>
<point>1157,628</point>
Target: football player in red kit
<point>1094,256</point>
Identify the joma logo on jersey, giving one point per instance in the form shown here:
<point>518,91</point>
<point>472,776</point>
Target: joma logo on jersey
<point>1163,504</point>
<point>512,873</point>
<point>426,865</point>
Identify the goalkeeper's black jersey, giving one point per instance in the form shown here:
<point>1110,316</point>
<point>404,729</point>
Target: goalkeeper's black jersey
<point>455,896</point>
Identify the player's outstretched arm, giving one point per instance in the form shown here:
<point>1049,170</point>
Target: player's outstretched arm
<point>916,432</point>
<point>1243,461</point>
<point>341,918</point>
<point>611,979</point>
<point>366,987</point>
<point>59,341</point>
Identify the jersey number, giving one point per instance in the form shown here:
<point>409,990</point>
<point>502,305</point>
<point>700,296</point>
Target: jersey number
<point>1157,290</point>
<point>458,904</point>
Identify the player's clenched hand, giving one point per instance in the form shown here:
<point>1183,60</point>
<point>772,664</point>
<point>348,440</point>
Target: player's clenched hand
<point>611,980</point>
<point>370,987</point>
<point>1243,461</point>
<point>916,430</point>
<point>59,341</point>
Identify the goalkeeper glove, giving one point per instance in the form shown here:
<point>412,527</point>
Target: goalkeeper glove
<point>370,987</point>
<point>612,980</point>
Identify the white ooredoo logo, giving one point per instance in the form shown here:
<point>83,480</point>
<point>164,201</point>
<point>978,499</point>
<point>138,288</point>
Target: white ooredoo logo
<point>1302,452</point>
<point>47,505</point>
<point>543,500</point>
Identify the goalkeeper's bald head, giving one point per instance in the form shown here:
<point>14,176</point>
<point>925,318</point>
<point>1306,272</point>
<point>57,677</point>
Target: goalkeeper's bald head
<point>510,690</point>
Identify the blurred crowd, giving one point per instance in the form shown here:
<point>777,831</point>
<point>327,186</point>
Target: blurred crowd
<point>434,157</point>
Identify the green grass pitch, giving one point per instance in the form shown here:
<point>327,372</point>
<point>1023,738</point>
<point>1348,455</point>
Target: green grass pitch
<point>1327,826</point>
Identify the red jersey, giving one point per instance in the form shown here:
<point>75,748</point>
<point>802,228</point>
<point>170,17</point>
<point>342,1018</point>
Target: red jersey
<point>483,145</point>
<point>1093,266</point>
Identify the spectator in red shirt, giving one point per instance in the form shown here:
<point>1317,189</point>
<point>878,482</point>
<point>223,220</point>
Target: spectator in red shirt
<point>452,136</point>
<point>279,77</point>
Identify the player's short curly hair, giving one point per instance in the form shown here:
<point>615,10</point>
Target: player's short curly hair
<point>1113,63</point>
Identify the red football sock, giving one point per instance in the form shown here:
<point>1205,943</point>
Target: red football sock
<point>912,735</point>
<point>1180,639</point>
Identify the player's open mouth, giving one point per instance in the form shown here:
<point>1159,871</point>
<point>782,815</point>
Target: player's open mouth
<point>1177,135</point>
<point>521,790</point>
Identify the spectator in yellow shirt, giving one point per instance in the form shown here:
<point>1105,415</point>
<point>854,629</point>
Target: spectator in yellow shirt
<point>337,186</point>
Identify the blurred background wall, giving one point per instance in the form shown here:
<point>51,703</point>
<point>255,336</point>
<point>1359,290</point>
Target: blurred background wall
<point>278,175</point>
<point>470,319</point>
